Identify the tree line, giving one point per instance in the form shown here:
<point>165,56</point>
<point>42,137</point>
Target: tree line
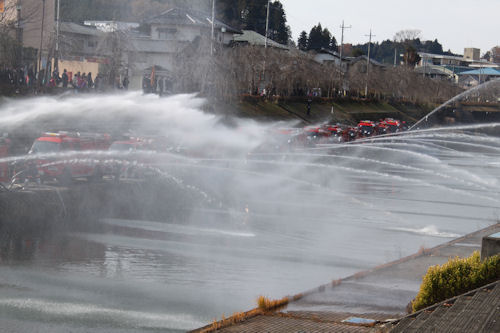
<point>252,15</point>
<point>405,41</point>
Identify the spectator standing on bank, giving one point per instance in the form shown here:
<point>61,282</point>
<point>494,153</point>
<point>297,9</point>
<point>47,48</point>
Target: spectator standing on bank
<point>90,82</point>
<point>65,79</point>
<point>160,86</point>
<point>125,82</point>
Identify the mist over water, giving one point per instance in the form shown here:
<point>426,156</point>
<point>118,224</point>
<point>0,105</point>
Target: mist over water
<point>261,220</point>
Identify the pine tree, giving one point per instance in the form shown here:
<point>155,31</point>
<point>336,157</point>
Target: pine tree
<point>230,12</point>
<point>302,41</point>
<point>315,38</point>
<point>278,29</point>
<point>333,44</point>
<point>319,38</point>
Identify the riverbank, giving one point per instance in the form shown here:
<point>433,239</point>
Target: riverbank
<point>348,110</point>
<point>379,295</point>
<point>343,110</point>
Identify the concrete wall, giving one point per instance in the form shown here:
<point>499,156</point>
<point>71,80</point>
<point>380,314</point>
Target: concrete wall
<point>490,245</point>
<point>31,14</point>
<point>472,53</point>
<point>79,66</point>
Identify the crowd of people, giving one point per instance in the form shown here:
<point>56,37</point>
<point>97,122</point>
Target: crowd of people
<point>26,80</point>
<point>17,77</point>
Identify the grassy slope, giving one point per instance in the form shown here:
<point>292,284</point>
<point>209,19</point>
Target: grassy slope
<point>347,112</point>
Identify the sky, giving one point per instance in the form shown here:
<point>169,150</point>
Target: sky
<point>455,23</point>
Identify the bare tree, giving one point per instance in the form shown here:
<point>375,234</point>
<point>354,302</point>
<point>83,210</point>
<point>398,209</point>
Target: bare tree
<point>404,36</point>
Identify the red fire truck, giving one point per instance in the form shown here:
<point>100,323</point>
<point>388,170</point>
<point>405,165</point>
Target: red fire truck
<point>366,128</point>
<point>393,125</point>
<point>4,166</point>
<point>61,155</point>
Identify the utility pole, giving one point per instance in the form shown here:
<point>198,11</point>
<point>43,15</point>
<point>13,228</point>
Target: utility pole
<point>19,32</point>
<point>56,60</point>
<point>265,42</point>
<point>368,62</point>
<point>343,27</point>
<point>213,28</point>
<point>395,55</point>
<point>267,22</point>
<point>41,44</point>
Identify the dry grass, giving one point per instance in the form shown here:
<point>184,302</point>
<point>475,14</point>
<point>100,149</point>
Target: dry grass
<point>336,282</point>
<point>236,318</point>
<point>266,304</point>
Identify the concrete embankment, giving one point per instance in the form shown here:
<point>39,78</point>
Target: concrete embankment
<point>377,295</point>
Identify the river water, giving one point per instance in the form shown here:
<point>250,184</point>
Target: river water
<point>271,224</point>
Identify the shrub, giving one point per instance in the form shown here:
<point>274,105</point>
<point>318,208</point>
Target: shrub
<point>456,277</point>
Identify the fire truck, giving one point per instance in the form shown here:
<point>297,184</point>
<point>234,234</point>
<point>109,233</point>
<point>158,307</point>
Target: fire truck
<point>366,128</point>
<point>64,156</point>
<point>334,132</point>
<point>4,166</point>
<point>393,125</point>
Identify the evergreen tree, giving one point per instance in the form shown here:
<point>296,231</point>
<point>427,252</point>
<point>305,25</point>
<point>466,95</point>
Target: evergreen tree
<point>314,41</point>
<point>230,12</point>
<point>302,42</point>
<point>333,44</point>
<point>252,15</point>
<point>279,31</point>
<point>319,38</point>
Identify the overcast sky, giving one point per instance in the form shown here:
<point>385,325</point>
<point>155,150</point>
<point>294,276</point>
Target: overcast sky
<point>455,23</point>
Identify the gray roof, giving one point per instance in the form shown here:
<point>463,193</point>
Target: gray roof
<point>180,16</point>
<point>254,38</point>
<point>330,52</point>
<point>475,311</point>
<point>365,58</point>
<point>434,70</point>
<point>69,27</point>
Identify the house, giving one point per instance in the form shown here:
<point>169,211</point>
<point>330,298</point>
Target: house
<point>477,76</point>
<point>437,72</point>
<point>171,33</point>
<point>183,26</point>
<point>326,57</point>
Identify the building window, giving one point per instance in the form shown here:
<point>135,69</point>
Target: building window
<point>166,33</point>
<point>91,43</point>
